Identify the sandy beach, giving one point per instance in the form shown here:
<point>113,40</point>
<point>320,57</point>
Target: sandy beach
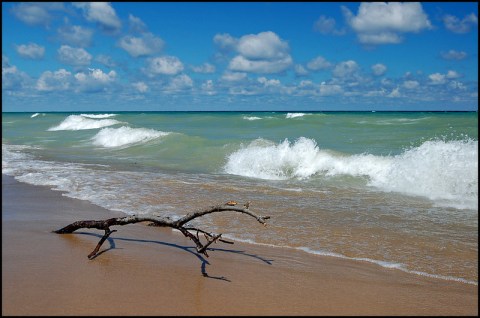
<point>155,271</point>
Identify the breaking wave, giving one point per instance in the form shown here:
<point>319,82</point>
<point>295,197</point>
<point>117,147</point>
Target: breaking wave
<point>84,121</point>
<point>125,136</point>
<point>443,171</point>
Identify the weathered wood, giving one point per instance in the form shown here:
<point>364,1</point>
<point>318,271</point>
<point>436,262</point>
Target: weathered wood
<point>180,224</point>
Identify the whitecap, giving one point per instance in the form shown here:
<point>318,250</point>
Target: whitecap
<point>80,122</point>
<point>125,136</point>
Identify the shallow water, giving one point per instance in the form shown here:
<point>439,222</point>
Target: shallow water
<point>396,189</point>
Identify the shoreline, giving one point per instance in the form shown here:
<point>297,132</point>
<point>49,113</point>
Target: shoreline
<point>144,270</point>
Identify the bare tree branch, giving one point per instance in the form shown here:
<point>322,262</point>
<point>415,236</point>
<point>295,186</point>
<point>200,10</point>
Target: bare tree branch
<point>180,224</point>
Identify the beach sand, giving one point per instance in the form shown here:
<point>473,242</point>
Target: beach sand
<point>145,270</point>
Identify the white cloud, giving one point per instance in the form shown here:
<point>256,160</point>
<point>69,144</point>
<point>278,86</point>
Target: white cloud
<point>437,79</point>
<point>36,13</point>
<point>395,93</point>
<point>264,45</point>
<point>73,56</point>
<point>266,82</point>
<point>102,13</point>
<point>94,81</point>
<point>146,44</point>
<point>225,41</point>
<point>12,78</point>
<point>204,68</point>
<point>31,51</point>
<point>300,70</point>
<point>455,25</point>
<point>234,76</point>
<point>379,69</point>
<point>457,85</point>
<point>54,81</point>
<point>383,23</point>
<point>454,55</point>
<point>319,63</point>
<point>264,52</point>
<point>326,25</point>
<point>411,84</point>
<point>179,83</point>
<point>242,64</point>
<point>328,89</point>
<point>75,35</point>
<point>105,60</point>
<point>140,86</point>
<point>208,88</point>
<point>345,69</point>
<point>452,74</point>
<point>166,65</point>
<point>136,24</point>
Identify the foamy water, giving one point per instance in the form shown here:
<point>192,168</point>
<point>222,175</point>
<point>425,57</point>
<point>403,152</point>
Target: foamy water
<point>446,172</point>
<point>401,195</point>
<point>80,122</point>
<point>125,136</point>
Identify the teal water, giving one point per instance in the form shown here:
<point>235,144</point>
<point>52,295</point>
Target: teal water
<point>399,189</point>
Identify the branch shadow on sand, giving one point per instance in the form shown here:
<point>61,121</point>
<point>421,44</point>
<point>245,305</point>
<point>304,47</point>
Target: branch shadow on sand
<point>188,249</point>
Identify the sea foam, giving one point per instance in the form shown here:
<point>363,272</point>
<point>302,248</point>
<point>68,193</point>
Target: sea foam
<point>125,136</point>
<point>443,171</point>
<point>81,122</point>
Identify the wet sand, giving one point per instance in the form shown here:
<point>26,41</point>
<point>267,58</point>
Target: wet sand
<point>144,270</point>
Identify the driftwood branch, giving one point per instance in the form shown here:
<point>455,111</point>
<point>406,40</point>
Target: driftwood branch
<point>180,224</point>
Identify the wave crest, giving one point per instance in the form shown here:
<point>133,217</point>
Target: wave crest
<point>125,136</point>
<point>446,172</point>
<point>81,122</point>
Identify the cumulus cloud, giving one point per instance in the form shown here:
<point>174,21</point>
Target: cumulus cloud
<point>12,77</point>
<point>36,13</point>
<point>330,89</point>
<point>105,60</point>
<point>136,24</point>
<point>345,69</point>
<point>319,63</point>
<point>233,76</point>
<point>95,80</point>
<point>384,23</point>
<point>411,84</point>
<point>74,56</point>
<point>54,81</point>
<point>225,42</point>
<point>437,78</point>
<point>204,68</point>
<point>241,64</point>
<point>300,70</point>
<point>453,55</point>
<point>264,52</point>
<point>140,86</point>
<point>395,93</point>
<point>101,13</point>
<point>75,35</point>
<point>379,69</point>
<point>326,25</point>
<point>452,74</point>
<point>164,65</point>
<point>268,82</point>
<point>146,44</point>
<point>179,83</point>
<point>31,51</point>
<point>452,23</point>
<point>208,88</point>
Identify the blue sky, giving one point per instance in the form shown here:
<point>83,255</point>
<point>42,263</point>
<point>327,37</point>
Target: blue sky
<point>142,56</point>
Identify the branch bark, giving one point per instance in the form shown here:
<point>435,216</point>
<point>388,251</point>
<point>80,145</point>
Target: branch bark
<point>180,224</point>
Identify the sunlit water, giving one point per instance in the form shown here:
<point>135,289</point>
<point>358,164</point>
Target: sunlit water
<point>396,189</point>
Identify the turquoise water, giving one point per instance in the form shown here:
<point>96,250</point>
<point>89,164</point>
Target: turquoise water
<point>399,189</point>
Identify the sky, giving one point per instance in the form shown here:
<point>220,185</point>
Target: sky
<point>234,56</point>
